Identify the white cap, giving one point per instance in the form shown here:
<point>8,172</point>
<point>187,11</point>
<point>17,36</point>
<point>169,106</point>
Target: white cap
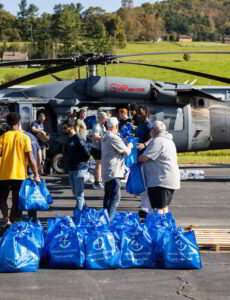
<point>112,122</point>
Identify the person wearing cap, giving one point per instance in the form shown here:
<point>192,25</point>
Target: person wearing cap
<point>161,171</point>
<point>113,151</point>
<point>97,134</point>
<point>77,157</point>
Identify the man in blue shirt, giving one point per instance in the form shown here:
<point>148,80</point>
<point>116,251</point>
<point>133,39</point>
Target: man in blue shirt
<point>143,131</point>
<point>77,158</point>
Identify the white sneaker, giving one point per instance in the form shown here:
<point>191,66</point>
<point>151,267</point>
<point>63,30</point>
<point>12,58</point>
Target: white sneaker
<point>101,185</point>
<point>97,186</point>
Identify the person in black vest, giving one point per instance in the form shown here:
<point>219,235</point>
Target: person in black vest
<point>77,160</point>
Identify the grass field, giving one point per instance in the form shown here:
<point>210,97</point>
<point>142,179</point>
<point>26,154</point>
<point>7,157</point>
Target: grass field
<point>212,64</point>
<point>205,157</point>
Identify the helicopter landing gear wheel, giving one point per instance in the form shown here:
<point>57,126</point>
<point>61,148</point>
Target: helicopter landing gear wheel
<point>58,163</point>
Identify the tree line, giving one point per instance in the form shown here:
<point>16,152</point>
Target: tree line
<point>72,29</point>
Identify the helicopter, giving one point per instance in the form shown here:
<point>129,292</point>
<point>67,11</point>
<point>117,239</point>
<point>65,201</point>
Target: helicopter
<point>197,117</point>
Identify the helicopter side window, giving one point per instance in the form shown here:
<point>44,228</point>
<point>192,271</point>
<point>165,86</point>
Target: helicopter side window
<point>172,117</point>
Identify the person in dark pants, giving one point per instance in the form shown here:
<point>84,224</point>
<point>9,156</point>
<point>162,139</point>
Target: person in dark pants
<point>15,152</point>
<point>77,155</point>
<point>113,150</point>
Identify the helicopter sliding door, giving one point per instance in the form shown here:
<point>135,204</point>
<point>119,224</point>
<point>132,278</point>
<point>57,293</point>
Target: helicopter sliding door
<point>176,121</point>
<point>220,127</point>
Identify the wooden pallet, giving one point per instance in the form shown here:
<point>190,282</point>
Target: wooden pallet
<point>215,240</point>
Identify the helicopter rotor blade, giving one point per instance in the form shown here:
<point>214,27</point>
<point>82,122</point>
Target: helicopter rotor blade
<point>195,73</point>
<point>93,58</point>
<point>168,53</point>
<point>54,61</point>
<point>38,74</point>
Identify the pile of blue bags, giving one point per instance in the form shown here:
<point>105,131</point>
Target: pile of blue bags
<point>88,240</point>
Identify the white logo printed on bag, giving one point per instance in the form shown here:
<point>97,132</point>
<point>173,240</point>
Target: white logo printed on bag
<point>136,246</point>
<point>98,244</point>
<point>63,241</point>
<point>180,245</point>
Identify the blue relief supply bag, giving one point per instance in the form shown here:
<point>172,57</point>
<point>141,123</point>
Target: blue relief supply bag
<point>45,192</point>
<point>137,250</point>
<point>121,217</point>
<point>181,251</point>
<point>91,217</point>
<point>124,221</point>
<point>101,251</point>
<point>31,196</point>
<point>18,251</point>
<point>126,130</point>
<point>38,236</point>
<point>54,227</point>
<point>135,184</point>
<point>157,225</point>
<point>66,249</point>
<point>132,157</point>
<point>160,221</point>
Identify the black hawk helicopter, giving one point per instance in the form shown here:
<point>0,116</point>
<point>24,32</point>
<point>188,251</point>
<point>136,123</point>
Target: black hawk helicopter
<point>198,117</point>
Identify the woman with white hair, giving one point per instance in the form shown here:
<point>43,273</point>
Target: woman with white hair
<point>161,171</point>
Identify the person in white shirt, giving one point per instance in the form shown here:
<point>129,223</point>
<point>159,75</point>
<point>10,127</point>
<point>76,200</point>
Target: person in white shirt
<point>161,171</point>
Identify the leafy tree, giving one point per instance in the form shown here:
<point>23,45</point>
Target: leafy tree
<point>23,23</point>
<point>126,3</point>
<point>23,11</point>
<point>102,42</point>
<point>68,28</point>
<point>8,32</point>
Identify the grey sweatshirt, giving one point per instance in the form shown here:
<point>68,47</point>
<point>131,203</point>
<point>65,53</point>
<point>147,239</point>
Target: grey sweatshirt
<point>112,156</point>
<point>162,168</point>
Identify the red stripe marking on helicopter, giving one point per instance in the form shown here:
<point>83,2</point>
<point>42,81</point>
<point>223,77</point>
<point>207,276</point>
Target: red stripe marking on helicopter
<point>124,87</point>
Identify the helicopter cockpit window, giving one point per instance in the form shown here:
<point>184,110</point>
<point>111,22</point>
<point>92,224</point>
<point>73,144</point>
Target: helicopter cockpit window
<point>4,110</point>
<point>172,117</point>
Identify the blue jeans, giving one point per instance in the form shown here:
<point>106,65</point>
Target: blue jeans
<point>76,180</point>
<point>112,196</point>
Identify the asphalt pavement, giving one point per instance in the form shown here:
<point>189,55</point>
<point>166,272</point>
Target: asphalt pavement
<point>204,203</point>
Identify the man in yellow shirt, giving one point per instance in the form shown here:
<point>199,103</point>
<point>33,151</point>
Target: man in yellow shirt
<point>16,154</point>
